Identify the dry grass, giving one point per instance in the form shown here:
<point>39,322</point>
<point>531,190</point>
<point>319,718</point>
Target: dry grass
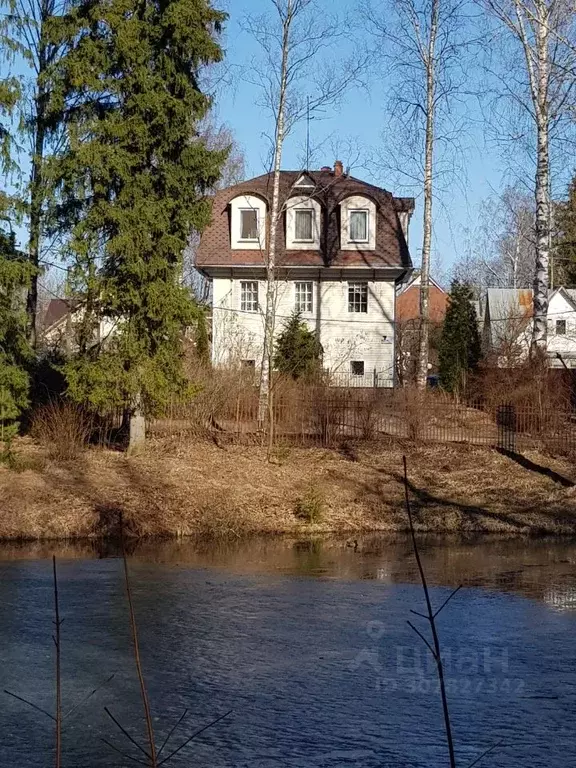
<point>64,428</point>
<point>176,489</point>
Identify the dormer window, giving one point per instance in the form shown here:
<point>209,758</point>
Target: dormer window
<point>358,217</point>
<point>358,226</point>
<point>303,221</point>
<point>304,225</point>
<point>248,224</point>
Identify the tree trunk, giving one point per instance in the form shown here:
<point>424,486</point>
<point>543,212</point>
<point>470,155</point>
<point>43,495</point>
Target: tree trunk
<point>37,191</point>
<point>264,401</point>
<point>540,326</point>
<point>136,428</point>
<point>422,366</point>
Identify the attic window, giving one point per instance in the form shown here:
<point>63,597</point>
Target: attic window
<point>304,181</point>
<point>248,224</point>
<point>303,225</point>
<point>560,327</point>
<point>358,226</point>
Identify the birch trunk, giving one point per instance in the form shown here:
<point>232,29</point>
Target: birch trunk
<point>422,369</point>
<point>543,208</point>
<point>265,405</point>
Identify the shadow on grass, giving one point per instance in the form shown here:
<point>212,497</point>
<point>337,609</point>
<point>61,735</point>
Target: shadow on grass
<point>533,467</point>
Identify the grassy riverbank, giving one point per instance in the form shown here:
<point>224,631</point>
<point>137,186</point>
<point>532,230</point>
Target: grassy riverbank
<point>199,488</point>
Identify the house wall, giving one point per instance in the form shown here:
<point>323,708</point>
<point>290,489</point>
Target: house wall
<point>561,309</point>
<point>345,336</point>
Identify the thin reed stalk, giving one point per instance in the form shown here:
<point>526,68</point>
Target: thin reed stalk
<point>57,623</point>
<point>435,648</point>
<point>137,660</point>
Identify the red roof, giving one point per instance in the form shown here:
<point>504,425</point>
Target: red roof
<point>329,190</point>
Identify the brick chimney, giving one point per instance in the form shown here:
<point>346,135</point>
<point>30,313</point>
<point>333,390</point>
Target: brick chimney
<point>338,168</point>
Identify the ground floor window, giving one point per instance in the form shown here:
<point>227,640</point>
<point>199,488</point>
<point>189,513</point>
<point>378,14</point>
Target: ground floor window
<point>357,367</point>
<point>249,296</point>
<point>560,327</point>
<point>303,297</point>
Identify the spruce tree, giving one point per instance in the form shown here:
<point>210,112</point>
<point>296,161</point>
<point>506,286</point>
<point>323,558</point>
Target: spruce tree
<point>565,251</point>
<point>297,351</point>
<point>133,183</point>
<point>15,354</point>
<point>459,349</point>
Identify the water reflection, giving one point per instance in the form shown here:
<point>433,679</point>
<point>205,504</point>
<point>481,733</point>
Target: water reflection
<point>543,569</point>
<point>306,641</point>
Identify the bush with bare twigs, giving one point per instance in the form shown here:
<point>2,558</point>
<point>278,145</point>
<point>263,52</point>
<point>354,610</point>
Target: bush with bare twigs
<point>65,428</point>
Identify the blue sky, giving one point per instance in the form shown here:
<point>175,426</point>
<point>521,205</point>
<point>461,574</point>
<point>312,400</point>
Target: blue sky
<point>359,121</point>
<point>354,130</point>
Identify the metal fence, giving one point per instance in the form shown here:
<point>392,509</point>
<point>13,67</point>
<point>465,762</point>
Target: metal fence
<point>328,416</point>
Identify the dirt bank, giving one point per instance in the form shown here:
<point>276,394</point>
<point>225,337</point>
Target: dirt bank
<point>176,489</point>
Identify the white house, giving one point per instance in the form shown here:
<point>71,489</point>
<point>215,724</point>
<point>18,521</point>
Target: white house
<point>61,322</point>
<point>341,249</point>
<point>508,325</point>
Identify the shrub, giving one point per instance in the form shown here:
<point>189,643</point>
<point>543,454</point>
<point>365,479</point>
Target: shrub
<point>297,350</point>
<point>310,508</point>
<point>64,427</point>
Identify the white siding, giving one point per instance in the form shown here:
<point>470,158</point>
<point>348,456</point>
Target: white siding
<point>561,309</point>
<point>345,336</point>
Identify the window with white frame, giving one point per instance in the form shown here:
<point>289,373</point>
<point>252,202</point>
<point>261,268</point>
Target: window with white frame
<point>304,302</point>
<point>357,297</point>
<point>357,367</point>
<point>560,327</point>
<point>358,226</point>
<point>304,225</point>
<point>249,295</point>
<point>248,224</point>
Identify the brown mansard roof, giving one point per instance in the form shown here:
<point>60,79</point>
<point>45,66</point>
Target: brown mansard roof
<point>329,190</point>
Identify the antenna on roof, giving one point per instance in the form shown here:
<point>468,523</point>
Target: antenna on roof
<point>308,133</point>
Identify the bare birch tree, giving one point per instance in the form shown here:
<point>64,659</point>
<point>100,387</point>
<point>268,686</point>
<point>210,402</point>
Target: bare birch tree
<point>295,78</point>
<point>499,251</point>
<point>422,42</point>
<point>25,37</point>
<point>541,85</point>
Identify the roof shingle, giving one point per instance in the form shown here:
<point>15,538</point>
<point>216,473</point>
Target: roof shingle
<point>329,190</point>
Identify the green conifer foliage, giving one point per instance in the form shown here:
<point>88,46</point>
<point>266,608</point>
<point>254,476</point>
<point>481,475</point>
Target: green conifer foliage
<point>565,251</point>
<point>15,353</point>
<point>297,351</point>
<point>133,183</point>
<point>459,349</point>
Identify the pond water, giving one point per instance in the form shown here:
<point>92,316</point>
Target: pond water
<point>305,641</point>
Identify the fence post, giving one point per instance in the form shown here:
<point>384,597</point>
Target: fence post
<point>507,424</point>
<point>375,379</point>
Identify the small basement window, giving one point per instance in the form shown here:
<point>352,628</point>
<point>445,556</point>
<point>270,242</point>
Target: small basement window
<point>357,367</point>
<point>248,224</point>
<point>560,327</point>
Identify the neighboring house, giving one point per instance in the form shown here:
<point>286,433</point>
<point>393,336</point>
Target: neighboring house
<point>408,326</point>
<point>408,301</point>
<point>61,322</point>
<point>507,327</point>
<point>341,249</point>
